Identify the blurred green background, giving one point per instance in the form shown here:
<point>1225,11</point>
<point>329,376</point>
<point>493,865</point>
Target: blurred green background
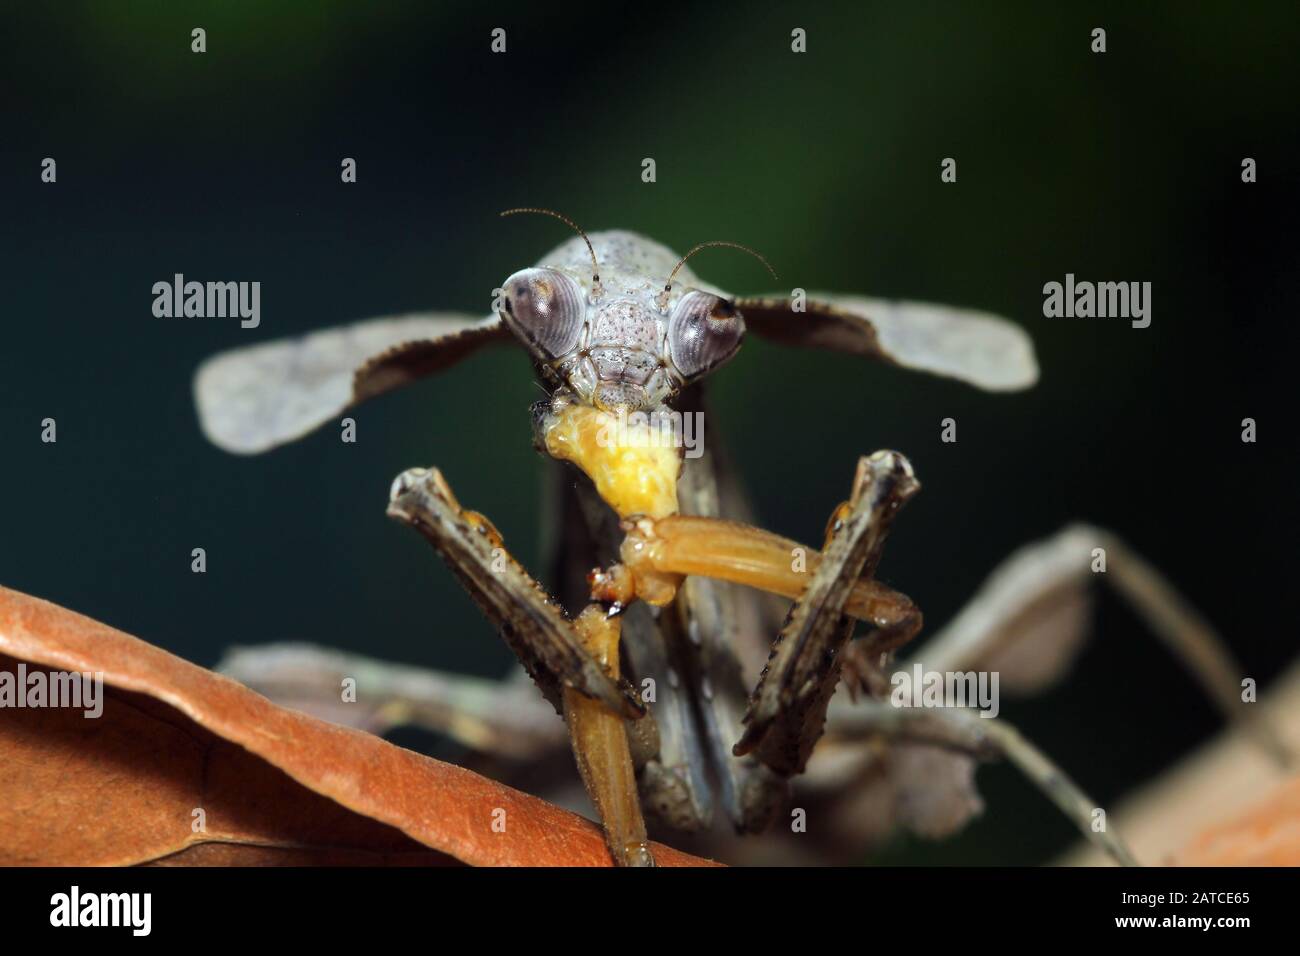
<point>225,166</point>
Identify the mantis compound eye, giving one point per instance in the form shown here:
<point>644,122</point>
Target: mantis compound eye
<point>703,332</point>
<point>545,308</point>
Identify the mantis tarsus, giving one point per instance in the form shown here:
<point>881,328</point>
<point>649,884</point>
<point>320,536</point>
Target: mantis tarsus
<point>616,323</point>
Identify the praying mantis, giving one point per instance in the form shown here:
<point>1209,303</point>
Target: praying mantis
<point>666,596</point>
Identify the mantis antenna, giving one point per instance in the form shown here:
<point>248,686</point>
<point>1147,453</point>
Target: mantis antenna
<point>662,299</point>
<point>596,290</point>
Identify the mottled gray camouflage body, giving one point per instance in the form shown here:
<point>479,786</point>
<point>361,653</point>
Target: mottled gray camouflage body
<point>626,341</point>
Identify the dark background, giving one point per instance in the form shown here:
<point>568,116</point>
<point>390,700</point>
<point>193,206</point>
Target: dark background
<point>225,166</point>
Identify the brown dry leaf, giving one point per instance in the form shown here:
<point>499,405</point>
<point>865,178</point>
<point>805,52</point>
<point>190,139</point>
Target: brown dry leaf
<point>1229,798</point>
<point>1267,835</point>
<point>275,786</point>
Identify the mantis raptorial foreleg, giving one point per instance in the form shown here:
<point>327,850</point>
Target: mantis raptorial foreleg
<point>574,662</point>
<point>830,589</point>
<point>788,709</point>
<point>531,623</point>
